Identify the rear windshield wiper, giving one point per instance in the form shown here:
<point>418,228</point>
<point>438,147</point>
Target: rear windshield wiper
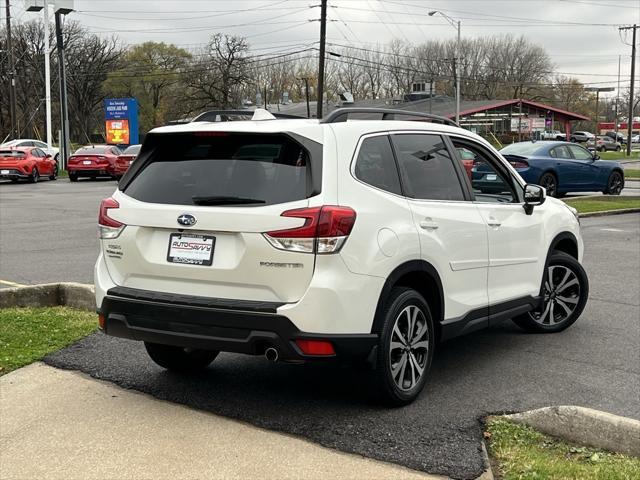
<point>222,200</point>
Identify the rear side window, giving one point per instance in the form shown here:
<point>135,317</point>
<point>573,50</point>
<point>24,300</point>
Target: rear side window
<point>426,167</point>
<point>376,166</point>
<point>219,168</point>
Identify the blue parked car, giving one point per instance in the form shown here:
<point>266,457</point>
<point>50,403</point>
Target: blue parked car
<point>560,167</point>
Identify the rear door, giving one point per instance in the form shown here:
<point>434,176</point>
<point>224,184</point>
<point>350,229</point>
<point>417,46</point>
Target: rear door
<point>196,207</point>
<point>453,235</point>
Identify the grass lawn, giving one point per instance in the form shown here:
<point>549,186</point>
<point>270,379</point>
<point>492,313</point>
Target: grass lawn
<point>631,173</point>
<point>588,205</point>
<point>520,452</point>
<point>619,155</point>
<point>28,334</point>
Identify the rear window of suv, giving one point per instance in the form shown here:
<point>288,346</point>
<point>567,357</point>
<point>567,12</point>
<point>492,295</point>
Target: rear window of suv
<point>219,168</point>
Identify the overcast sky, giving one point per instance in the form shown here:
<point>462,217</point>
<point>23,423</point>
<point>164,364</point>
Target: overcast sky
<point>581,36</point>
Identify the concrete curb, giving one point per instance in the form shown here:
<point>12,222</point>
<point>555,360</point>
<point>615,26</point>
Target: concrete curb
<point>585,426</point>
<point>76,295</point>
<point>609,212</point>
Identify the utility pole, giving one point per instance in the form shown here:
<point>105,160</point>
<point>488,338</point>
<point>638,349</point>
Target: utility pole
<point>12,76</point>
<point>633,72</point>
<point>64,112</point>
<point>617,99</point>
<point>323,41</point>
<point>306,91</point>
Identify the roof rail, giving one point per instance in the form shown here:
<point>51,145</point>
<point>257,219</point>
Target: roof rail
<point>211,115</point>
<point>342,114</point>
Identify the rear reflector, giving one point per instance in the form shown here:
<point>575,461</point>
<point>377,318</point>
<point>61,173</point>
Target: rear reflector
<point>315,347</point>
<point>324,231</point>
<point>101,321</point>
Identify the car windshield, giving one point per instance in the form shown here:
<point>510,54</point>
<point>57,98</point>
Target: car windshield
<point>132,150</point>
<point>522,148</point>
<point>91,150</point>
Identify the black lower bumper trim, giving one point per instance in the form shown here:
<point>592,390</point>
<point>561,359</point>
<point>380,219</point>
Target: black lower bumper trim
<point>222,329</point>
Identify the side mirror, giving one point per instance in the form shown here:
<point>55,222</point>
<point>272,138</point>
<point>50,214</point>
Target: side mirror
<point>595,156</point>
<point>534,195</point>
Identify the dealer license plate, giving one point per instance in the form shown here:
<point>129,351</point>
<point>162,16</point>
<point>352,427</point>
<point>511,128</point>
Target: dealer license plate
<point>4,172</point>
<point>492,178</point>
<point>191,249</point>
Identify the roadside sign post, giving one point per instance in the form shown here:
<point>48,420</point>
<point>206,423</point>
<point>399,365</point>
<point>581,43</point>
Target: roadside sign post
<point>121,121</point>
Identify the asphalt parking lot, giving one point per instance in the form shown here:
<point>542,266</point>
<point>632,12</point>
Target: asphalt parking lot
<point>51,236</point>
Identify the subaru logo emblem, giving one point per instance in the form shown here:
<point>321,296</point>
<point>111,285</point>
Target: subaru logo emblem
<point>187,220</point>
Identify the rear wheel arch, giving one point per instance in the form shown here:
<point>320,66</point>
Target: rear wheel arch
<point>420,276</point>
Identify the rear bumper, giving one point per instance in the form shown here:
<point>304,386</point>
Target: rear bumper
<point>13,173</point>
<point>90,171</point>
<point>217,324</point>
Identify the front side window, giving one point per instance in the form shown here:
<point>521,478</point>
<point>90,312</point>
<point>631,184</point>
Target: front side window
<point>376,166</point>
<point>579,153</point>
<point>426,167</point>
<point>488,183</point>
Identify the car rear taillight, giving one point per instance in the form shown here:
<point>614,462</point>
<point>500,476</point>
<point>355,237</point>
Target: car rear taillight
<point>72,159</point>
<point>324,231</point>
<point>519,164</point>
<point>108,227</point>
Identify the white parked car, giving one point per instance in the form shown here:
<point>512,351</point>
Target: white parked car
<point>326,240</point>
<point>27,142</point>
<point>553,135</point>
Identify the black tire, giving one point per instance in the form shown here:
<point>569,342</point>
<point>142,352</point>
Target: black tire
<point>561,194</point>
<point>618,148</point>
<point>14,180</point>
<point>602,149</point>
<point>416,354</point>
<point>615,183</point>
<point>35,176</point>
<point>73,177</point>
<point>180,359</point>
<point>558,312</point>
<point>550,182</point>
<point>54,176</point>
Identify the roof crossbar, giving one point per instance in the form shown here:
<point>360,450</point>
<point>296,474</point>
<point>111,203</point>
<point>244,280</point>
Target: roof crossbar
<point>342,114</point>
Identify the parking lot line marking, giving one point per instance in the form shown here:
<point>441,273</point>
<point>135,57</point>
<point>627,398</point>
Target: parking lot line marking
<point>11,284</point>
<point>611,230</point>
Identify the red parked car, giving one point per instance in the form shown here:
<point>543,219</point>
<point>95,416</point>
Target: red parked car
<point>93,161</point>
<point>27,163</point>
<point>125,160</point>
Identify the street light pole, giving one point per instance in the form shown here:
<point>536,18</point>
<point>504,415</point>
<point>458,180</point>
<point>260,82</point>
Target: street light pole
<point>12,76</point>
<point>47,73</point>
<point>457,59</point>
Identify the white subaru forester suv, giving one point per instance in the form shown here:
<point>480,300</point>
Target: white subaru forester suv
<point>317,240</point>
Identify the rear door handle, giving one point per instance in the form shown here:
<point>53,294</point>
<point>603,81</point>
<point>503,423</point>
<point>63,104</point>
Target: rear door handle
<point>428,224</point>
<point>493,222</point>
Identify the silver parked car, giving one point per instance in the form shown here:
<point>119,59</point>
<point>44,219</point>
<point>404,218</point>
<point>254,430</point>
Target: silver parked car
<point>581,136</point>
<point>603,143</point>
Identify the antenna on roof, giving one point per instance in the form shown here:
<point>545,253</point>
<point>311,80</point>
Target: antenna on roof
<point>262,114</point>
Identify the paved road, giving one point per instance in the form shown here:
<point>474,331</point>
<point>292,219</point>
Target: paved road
<point>595,363</point>
<point>49,231</point>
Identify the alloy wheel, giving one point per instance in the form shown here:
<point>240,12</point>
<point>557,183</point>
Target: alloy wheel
<point>561,296</point>
<point>409,348</point>
<point>548,181</point>
<point>615,184</point>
